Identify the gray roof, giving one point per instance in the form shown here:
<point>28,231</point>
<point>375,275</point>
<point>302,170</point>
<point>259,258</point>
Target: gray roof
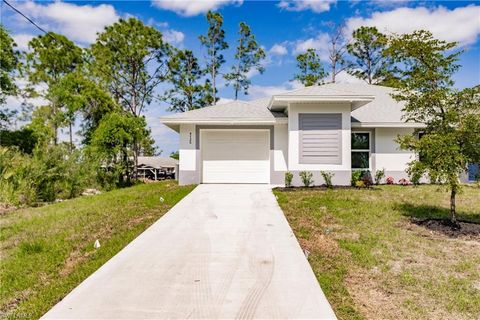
<point>157,162</point>
<point>382,109</point>
<point>255,110</point>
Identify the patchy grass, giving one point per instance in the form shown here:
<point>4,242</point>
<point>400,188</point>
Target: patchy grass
<point>372,262</point>
<point>45,252</point>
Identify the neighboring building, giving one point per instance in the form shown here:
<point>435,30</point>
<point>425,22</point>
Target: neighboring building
<point>333,127</point>
<point>157,168</point>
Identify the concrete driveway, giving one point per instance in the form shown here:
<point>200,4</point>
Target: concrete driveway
<point>223,252</point>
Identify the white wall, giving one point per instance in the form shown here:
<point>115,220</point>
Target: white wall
<point>188,154</point>
<point>388,154</point>
<point>280,152</point>
<point>293,135</point>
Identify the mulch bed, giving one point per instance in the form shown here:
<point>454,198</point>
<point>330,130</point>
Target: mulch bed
<point>464,229</point>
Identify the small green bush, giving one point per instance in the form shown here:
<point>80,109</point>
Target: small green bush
<point>288,179</point>
<point>356,176</point>
<point>379,175</point>
<point>327,176</point>
<point>359,184</point>
<point>306,177</point>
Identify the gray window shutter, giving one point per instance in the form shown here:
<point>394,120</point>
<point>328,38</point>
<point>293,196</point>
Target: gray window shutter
<point>320,138</point>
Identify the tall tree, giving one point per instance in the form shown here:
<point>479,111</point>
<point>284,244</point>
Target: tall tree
<point>9,63</point>
<point>214,42</point>
<point>311,71</point>
<point>81,95</point>
<point>185,74</point>
<point>52,58</point>
<point>130,59</point>
<point>249,56</point>
<point>451,137</point>
<point>337,50</point>
<point>367,48</point>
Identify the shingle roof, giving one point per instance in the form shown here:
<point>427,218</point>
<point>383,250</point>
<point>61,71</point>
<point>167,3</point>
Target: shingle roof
<point>157,162</point>
<point>257,109</point>
<point>382,109</point>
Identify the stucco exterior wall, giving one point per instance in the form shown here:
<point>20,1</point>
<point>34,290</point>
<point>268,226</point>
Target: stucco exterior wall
<point>189,172</point>
<point>388,154</point>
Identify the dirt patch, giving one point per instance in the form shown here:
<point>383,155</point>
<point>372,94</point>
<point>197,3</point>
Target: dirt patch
<point>464,230</point>
<point>6,208</point>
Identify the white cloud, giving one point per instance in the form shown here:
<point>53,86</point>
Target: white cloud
<point>278,49</point>
<point>258,91</point>
<point>319,43</point>
<point>190,8</point>
<point>301,5</point>
<point>22,40</point>
<point>173,36</point>
<point>459,24</point>
<point>77,22</point>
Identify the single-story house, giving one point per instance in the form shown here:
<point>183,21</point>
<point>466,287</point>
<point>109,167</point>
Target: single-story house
<point>333,127</point>
<point>156,168</point>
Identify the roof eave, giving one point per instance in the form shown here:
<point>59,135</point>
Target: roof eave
<point>387,125</point>
<point>280,102</point>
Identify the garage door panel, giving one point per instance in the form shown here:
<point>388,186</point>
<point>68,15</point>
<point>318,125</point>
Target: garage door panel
<point>235,156</point>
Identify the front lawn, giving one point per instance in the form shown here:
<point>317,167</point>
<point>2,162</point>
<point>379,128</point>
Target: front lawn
<point>372,262</point>
<point>47,251</point>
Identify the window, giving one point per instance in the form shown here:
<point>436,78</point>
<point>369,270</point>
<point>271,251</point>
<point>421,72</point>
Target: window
<point>360,150</point>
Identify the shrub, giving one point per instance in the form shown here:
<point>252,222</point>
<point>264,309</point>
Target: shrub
<point>404,182</point>
<point>306,177</point>
<point>327,176</point>
<point>390,180</point>
<point>379,175</point>
<point>416,176</point>
<point>359,184</point>
<point>367,179</point>
<point>356,176</point>
<point>288,179</point>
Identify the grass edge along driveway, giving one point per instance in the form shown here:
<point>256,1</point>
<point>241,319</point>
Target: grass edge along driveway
<point>46,252</point>
<point>373,263</point>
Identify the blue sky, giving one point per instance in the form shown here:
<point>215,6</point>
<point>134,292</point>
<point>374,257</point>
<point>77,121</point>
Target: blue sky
<point>283,28</point>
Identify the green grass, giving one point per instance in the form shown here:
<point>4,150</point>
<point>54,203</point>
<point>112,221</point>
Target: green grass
<point>47,251</point>
<point>372,262</point>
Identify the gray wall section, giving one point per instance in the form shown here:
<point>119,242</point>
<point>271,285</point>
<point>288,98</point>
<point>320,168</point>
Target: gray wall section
<point>315,131</point>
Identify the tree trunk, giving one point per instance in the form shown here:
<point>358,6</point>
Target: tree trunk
<point>214,76</point>
<point>71,136</point>
<point>453,213</point>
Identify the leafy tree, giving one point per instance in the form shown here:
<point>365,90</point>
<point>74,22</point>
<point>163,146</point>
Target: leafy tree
<point>52,58</point>
<point>82,95</point>
<point>337,50</point>
<point>24,139</point>
<point>9,63</point>
<point>130,58</point>
<point>311,71</point>
<point>115,140</point>
<point>175,155</point>
<point>249,56</point>
<point>214,42</point>
<point>367,49</point>
<point>185,74</point>
<point>451,137</point>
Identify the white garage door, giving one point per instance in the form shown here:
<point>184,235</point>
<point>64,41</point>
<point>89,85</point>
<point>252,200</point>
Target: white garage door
<point>230,156</point>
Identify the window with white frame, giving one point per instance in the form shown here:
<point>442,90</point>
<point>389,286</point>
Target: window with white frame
<point>361,150</point>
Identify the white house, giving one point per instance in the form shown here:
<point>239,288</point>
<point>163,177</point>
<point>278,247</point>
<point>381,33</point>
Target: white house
<point>332,127</point>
